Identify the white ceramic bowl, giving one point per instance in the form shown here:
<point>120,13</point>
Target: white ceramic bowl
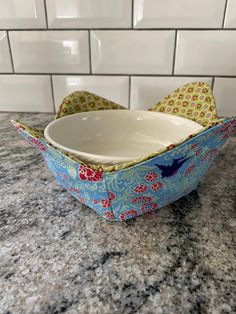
<point>115,136</point>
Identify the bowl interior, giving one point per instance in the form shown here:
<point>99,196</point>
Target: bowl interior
<point>113,136</point>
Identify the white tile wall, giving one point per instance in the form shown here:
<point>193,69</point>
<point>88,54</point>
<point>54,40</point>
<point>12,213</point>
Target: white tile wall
<point>51,51</point>
<point>230,18</point>
<point>206,53</point>
<point>28,93</point>
<point>178,13</point>
<point>135,52</point>
<point>115,88</point>
<point>5,60</point>
<point>89,13</point>
<point>16,14</point>
<point>147,91</point>
<point>225,96</point>
<point>131,51</point>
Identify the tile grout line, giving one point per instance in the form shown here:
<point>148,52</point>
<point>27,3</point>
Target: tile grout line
<point>7,111</point>
<point>174,54</point>
<point>119,29</point>
<point>53,94</point>
<point>129,93</point>
<point>213,83</point>
<point>46,14</point>
<point>90,52</point>
<point>119,75</point>
<point>224,14</point>
<point>132,14</point>
<point>10,53</point>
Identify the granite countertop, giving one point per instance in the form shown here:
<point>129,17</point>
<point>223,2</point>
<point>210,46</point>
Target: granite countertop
<point>58,256</point>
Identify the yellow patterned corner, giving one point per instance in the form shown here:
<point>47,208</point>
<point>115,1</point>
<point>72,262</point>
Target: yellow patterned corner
<point>35,132</point>
<point>193,101</point>
<point>83,101</point>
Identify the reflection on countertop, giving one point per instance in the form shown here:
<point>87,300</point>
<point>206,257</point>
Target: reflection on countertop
<point>58,256</point>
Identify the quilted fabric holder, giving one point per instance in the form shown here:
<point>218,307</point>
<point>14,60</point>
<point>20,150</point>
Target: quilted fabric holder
<point>123,191</point>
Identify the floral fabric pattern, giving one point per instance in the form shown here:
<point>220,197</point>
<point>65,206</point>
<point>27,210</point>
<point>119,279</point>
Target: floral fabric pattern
<point>84,101</point>
<point>143,188</point>
<point>139,187</point>
<point>193,101</point>
<point>85,184</point>
<point>86,173</point>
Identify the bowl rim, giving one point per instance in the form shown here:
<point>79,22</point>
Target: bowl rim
<point>107,158</point>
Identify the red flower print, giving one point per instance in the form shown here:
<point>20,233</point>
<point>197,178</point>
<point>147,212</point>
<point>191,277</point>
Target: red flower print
<point>112,195</point>
<point>37,143</point>
<point>228,128</point>
<point>189,169</point>
<point>82,200</point>
<point>65,176</point>
<point>95,202</point>
<point>89,174</point>
<point>148,207</point>
<point>226,135</point>
<point>198,152</point>
<point>140,188</point>
<point>105,203</point>
<point>141,199</point>
<point>128,214</point>
<point>156,186</point>
<point>222,129</point>
<point>194,145</point>
<point>210,154</point>
<point>109,215</point>
<point>72,189</point>
<point>151,176</point>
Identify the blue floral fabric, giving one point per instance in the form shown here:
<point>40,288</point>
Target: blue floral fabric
<point>86,185</point>
<point>144,187</point>
<point>165,178</point>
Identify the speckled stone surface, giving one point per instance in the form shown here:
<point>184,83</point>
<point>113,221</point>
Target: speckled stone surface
<point>57,256</point>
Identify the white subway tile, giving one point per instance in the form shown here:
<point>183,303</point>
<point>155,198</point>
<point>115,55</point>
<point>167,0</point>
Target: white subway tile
<point>178,14</point>
<point>22,14</point>
<point>132,52</point>
<point>230,17</point>
<point>50,51</point>
<point>115,88</point>
<point>206,53</point>
<point>225,96</point>
<point>5,60</point>
<point>147,91</point>
<point>29,93</point>
<point>89,13</point>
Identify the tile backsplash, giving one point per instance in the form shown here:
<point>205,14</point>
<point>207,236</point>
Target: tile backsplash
<point>115,88</point>
<point>178,13</point>
<point>50,51</point>
<point>5,60</point>
<point>133,52</point>
<point>89,13</point>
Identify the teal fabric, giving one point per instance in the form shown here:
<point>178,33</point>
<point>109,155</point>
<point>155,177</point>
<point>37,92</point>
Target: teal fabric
<point>144,187</point>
